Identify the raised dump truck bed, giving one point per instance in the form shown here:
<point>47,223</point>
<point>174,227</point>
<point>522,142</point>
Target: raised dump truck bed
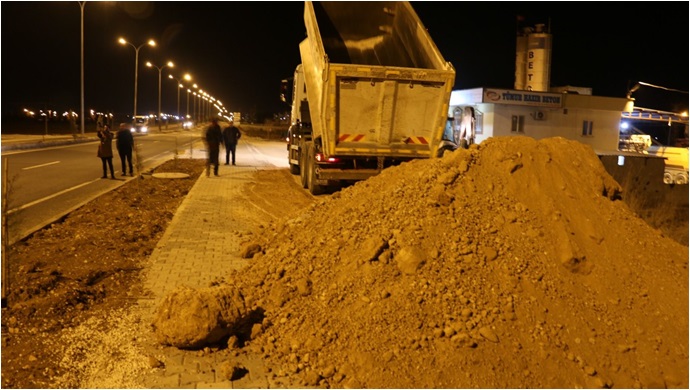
<point>377,90</point>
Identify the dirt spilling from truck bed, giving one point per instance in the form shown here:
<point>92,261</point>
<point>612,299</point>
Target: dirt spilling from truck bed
<point>509,265</point>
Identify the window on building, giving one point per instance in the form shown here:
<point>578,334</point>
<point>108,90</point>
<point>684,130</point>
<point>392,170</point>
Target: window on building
<point>587,128</point>
<point>517,124</point>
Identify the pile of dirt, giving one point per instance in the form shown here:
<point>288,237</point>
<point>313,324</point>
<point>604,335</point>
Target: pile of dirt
<point>512,264</point>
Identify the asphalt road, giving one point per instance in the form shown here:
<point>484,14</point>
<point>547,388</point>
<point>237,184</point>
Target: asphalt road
<point>45,184</point>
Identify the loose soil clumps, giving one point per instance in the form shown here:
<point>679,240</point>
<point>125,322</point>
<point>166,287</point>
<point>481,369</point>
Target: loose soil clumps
<point>512,264</point>
<point>194,318</point>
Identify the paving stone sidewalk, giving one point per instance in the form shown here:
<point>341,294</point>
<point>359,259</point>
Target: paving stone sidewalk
<point>195,246</point>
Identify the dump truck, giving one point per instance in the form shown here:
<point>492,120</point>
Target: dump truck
<point>372,91</point>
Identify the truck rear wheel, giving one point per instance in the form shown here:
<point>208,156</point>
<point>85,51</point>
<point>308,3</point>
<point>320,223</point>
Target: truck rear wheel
<point>314,189</point>
<point>292,153</point>
<point>303,164</point>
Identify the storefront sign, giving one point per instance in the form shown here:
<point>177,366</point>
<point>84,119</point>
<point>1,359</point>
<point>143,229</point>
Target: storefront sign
<point>523,98</point>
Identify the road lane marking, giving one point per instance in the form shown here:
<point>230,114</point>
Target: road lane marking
<point>35,202</point>
<point>42,165</point>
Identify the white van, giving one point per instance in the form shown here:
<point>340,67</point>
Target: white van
<point>141,124</point>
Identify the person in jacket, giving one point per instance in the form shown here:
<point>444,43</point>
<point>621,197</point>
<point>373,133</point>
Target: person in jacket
<point>105,151</point>
<point>125,146</point>
<point>231,135</point>
<point>213,138</point>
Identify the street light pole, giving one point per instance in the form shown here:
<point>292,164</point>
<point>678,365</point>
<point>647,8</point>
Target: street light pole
<point>207,104</point>
<point>180,86</point>
<point>194,102</point>
<point>81,5</point>
<point>188,91</point>
<point>200,111</point>
<point>160,70</point>
<point>151,43</point>
<point>194,108</point>
<point>201,105</point>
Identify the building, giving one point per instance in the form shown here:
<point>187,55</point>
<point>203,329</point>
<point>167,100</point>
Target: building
<point>481,113</point>
<point>535,109</point>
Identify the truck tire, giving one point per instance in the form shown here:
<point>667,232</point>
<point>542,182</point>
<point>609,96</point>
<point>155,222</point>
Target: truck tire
<point>303,164</point>
<point>314,189</point>
<point>294,168</point>
<point>668,178</point>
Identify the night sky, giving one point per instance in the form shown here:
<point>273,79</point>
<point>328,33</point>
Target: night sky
<point>239,51</point>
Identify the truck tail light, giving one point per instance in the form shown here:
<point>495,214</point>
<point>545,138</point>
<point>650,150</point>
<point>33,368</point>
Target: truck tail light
<point>321,158</point>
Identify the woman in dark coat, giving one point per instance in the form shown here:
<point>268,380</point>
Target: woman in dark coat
<point>105,151</point>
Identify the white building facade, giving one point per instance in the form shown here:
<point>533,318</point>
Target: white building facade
<point>482,113</point>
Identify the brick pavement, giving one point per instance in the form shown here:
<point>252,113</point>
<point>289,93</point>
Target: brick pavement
<point>197,244</point>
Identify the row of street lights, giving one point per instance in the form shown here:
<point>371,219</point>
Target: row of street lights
<point>180,86</point>
<point>201,94</point>
<point>151,43</point>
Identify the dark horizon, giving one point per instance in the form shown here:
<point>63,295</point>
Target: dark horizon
<point>240,51</point>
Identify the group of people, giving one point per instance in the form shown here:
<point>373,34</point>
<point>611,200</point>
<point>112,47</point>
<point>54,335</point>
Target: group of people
<point>214,137</point>
<point>125,146</point>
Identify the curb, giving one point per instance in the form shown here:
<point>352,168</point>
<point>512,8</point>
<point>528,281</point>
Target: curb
<point>45,144</point>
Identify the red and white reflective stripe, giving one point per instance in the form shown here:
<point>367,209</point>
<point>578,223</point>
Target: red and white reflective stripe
<point>417,140</point>
<point>350,137</point>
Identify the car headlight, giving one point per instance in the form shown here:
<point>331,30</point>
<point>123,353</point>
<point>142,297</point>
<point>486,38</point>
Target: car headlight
<point>144,129</point>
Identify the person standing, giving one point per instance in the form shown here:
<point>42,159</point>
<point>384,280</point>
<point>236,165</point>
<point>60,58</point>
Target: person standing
<point>125,146</point>
<point>213,139</point>
<point>105,151</point>
<point>231,135</point>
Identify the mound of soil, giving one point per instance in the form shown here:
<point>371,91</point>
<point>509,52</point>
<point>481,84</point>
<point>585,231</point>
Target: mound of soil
<point>509,265</point>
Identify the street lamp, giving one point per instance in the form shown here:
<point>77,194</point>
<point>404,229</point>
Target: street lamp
<point>179,86</point>
<point>150,65</point>
<point>151,43</point>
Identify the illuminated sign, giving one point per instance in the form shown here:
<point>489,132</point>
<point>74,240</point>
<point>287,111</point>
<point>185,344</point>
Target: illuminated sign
<point>522,98</point>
